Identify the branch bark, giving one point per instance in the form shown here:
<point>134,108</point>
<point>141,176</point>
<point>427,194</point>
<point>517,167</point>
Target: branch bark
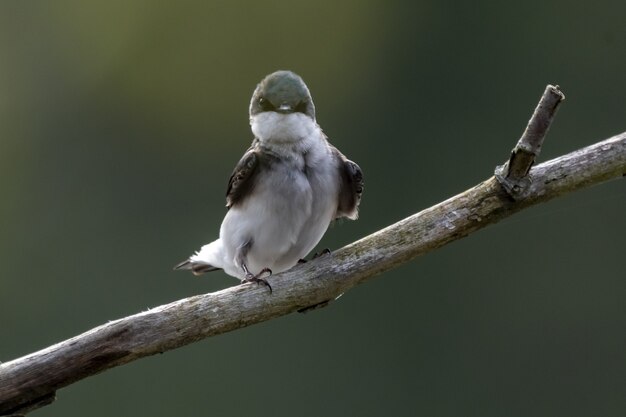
<point>31,381</point>
<point>513,175</point>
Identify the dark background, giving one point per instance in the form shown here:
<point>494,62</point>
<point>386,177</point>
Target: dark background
<point>120,122</point>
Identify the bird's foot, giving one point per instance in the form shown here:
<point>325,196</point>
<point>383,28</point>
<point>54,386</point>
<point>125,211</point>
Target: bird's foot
<point>258,278</point>
<point>324,251</point>
<point>315,256</point>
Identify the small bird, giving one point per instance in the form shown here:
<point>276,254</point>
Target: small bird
<point>284,192</point>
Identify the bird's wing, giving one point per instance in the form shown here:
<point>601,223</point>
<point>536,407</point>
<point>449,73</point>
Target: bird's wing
<point>350,187</point>
<point>196,267</point>
<point>242,180</point>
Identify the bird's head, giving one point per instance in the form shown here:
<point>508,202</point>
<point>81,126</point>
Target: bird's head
<point>282,92</point>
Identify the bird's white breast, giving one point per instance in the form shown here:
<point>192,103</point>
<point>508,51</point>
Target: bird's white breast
<point>293,201</point>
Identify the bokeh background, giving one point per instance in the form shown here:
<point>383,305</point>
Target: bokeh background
<point>120,122</point>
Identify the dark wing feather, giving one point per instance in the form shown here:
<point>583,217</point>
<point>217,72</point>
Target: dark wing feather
<point>350,187</point>
<point>242,180</point>
<point>196,268</point>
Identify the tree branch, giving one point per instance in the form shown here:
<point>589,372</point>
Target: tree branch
<point>513,175</point>
<point>31,381</point>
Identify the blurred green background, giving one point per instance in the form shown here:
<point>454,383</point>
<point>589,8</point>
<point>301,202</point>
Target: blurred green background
<point>120,122</point>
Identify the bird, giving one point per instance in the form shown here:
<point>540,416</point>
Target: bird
<point>285,191</point>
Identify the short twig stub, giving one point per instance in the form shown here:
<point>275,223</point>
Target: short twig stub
<point>513,175</point>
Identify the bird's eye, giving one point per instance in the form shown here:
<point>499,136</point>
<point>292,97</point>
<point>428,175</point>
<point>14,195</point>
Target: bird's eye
<point>265,104</point>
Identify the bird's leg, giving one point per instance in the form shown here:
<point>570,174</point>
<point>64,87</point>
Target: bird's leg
<point>240,257</point>
<point>258,277</point>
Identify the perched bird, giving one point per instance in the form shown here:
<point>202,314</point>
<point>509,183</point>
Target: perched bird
<point>284,192</point>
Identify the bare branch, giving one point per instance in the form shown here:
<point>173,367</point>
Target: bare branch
<point>34,378</point>
<point>513,175</point>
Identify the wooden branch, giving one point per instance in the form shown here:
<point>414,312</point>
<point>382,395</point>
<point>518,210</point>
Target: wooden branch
<point>513,175</point>
<point>31,381</point>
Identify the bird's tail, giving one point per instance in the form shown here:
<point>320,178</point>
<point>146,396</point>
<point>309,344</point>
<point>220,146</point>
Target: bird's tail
<point>197,268</point>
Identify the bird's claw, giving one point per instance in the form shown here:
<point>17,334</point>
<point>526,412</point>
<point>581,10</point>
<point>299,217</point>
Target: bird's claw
<point>324,251</point>
<point>315,255</point>
<point>258,278</point>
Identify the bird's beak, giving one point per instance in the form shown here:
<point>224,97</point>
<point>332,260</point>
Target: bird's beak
<point>285,108</point>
